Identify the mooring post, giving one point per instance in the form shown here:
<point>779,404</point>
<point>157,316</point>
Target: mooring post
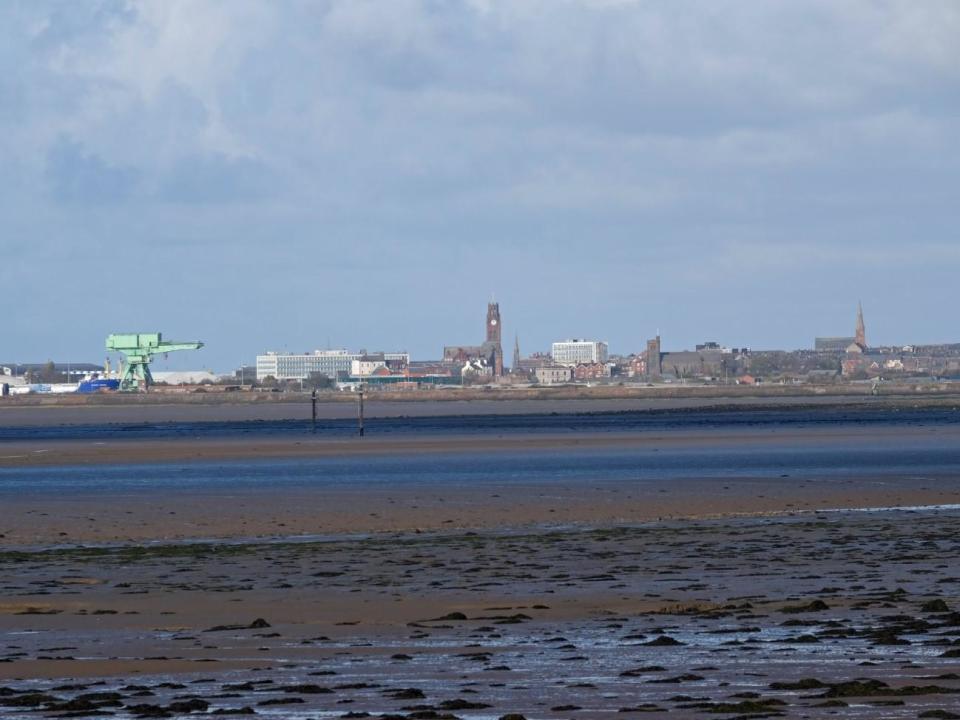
<point>360,411</point>
<point>313,406</point>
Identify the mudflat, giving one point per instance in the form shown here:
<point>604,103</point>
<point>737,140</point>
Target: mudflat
<point>772,570</point>
<point>123,491</point>
<point>261,512</point>
<point>811,615</point>
<point>45,452</point>
<point>111,443</point>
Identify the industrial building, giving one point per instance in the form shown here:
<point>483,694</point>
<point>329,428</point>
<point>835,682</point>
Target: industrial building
<point>577,352</point>
<point>185,377</point>
<point>68,371</point>
<point>332,363</point>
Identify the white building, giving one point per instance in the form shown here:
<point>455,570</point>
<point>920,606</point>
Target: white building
<point>576,352</point>
<point>553,374</point>
<point>184,377</point>
<point>363,368</point>
<point>8,378</point>
<point>332,363</point>
<point>402,358</point>
<point>291,366</point>
<point>476,368</point>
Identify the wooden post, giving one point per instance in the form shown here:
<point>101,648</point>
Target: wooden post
<point>360,411</point>
<point>313,404</point>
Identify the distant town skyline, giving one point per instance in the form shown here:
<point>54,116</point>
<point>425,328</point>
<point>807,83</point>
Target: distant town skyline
<point>494,329</point>
<point>280,176</point>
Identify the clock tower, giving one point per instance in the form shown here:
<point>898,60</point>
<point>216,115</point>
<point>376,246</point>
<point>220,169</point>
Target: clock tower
<point>493,323</point>
<point>493,338</point>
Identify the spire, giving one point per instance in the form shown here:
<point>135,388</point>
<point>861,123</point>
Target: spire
<point>861,338</point>
<point>516,354</point>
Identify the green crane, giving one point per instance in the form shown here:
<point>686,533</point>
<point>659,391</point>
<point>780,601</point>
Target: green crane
<point>138,350</point>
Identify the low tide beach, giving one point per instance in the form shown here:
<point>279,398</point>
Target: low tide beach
<point>731,569</point>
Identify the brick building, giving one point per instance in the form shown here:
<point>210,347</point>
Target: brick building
<point>489,353</point>
<point>591,371</point>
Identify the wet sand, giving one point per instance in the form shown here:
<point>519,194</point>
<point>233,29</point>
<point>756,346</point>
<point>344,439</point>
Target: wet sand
<point>262,510</point>
<point>232,514</point>
<point>734,597</point>
<point>820,615</point>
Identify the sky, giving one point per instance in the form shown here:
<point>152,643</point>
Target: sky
<point>303,174</point>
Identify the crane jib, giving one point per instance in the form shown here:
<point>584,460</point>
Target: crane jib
<point>138,350</point>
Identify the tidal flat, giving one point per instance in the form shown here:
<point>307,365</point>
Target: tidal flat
<point>810,614</point>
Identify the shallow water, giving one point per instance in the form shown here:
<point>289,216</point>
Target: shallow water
<point>599,422</point>
<point>913,457</point>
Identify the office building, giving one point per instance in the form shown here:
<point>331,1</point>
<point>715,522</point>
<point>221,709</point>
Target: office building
<point>575,352</point>
<point>332,363</point>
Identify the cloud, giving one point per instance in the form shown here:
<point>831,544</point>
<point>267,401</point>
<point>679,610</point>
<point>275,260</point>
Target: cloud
<point>216,179</point>
<point>77,176</point>
<point>421,149</point>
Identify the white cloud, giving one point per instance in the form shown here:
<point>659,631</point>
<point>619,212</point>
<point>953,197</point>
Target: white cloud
<point>804,130</point>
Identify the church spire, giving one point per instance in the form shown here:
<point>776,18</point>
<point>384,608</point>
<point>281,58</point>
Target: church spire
<point>516,354</point>
<point>861,338</point>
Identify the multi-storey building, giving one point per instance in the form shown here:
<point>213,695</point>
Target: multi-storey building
<point>553,374</point>
<point>332,363</point>
<point>575,352</point>
<point>362,368</point>
<point>636,365</point>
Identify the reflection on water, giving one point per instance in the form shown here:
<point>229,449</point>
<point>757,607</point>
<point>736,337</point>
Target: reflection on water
<point>600,422</point>
<point>557,467</point>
